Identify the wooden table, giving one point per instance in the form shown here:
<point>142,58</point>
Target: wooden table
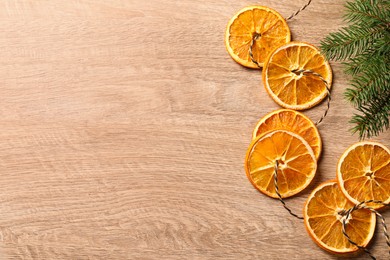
<point>124,126</point>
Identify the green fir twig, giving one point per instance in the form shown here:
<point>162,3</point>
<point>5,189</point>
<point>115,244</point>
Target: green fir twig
<point>364,48</point>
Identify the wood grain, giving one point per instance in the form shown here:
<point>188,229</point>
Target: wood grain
<point>124,125</point>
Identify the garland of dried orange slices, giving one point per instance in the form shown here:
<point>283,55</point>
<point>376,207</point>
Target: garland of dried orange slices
<point>281,160</point>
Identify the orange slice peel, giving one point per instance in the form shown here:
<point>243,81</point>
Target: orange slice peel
<point>293,121</point>
<point>268,27</point>
<point>363,173</point>
<point>297,164</point>
<point>288,85</point>
<point>323,217</point>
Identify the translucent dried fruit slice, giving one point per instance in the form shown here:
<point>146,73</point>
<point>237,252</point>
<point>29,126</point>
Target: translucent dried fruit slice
<point>363,173</point>
<point>290,88</point>
<point>269,27</point>
<point>297,164</point>
<point>290,120</point>
<point>323,216</point>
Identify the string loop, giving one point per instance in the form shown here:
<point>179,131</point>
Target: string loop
<point>298,71</point>
<point>362,205</point>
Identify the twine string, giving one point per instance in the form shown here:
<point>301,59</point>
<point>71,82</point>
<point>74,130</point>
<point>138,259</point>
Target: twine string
<point>329,98</point>
<point>298,11</point>
<point>255,37</point>
<point>362,205</point>
<point>278,193</point>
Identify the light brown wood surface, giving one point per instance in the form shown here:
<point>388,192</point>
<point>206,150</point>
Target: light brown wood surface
<point>124,126</point>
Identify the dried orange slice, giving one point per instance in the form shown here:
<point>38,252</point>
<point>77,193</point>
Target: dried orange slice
<point>290,120</point>
<point>269,28</point>
<point>323,215</point>
<point>297,164</point>
<point>292,89</point>
<point>363,173</point>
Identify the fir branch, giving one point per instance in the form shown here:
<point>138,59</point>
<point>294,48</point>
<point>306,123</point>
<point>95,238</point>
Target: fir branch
<point>350,41</point>
<point>367,12</point>
<point>373,119</point>
<point>361,94</point>
<point>364,46</point>
<point>375,56</point>
<point>370,84</point>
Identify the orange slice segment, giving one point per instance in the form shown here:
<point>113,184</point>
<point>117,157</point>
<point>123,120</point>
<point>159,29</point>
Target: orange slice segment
<point>290,120</point>
<point>269,26</point>
<point>289,88</point>
<point>323,215</point>
<point>297,164</point>
<point>363,173</point>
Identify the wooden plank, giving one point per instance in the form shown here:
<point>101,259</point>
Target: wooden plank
<point>124,129</point>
